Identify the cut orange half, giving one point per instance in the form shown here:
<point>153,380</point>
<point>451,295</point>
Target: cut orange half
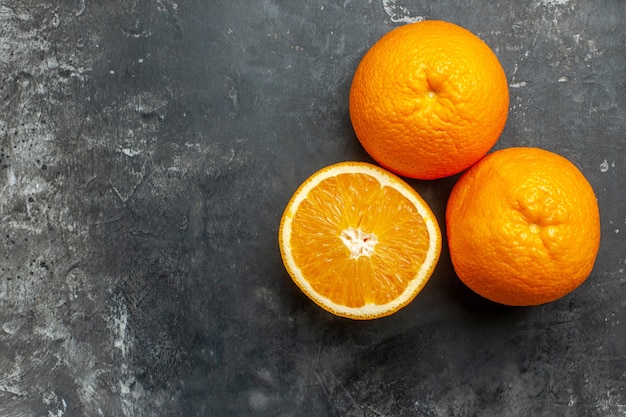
<point>358,240</point>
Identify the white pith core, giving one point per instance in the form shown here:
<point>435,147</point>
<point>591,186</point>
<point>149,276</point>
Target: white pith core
<point>358,242</point>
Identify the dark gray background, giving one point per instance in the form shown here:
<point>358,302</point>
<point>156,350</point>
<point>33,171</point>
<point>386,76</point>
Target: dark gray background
<point>148,149</point>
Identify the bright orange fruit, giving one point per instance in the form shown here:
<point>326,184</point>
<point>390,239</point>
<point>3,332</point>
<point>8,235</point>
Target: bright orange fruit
<point>428,100</point>
<point>359,241</point>
<point>523,227</point>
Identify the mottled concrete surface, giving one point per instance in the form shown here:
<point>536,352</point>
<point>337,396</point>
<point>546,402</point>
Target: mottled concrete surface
<point>147,150</point>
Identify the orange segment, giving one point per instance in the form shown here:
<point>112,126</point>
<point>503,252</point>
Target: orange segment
<point>358,240</point>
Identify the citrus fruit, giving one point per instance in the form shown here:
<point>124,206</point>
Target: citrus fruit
<point>523,227</point>
<point>428,100</point>
<point>359,241</point>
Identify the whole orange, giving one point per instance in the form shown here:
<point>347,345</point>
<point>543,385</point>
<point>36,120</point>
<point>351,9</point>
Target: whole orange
<point>428,100</point>
<point>523,227</point>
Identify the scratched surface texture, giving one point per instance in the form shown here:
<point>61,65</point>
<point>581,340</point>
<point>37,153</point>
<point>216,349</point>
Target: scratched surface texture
<point>147,150</point>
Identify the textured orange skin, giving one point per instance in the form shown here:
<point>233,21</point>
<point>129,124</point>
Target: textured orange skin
<point>428,100</point>
<point>523,227</point>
